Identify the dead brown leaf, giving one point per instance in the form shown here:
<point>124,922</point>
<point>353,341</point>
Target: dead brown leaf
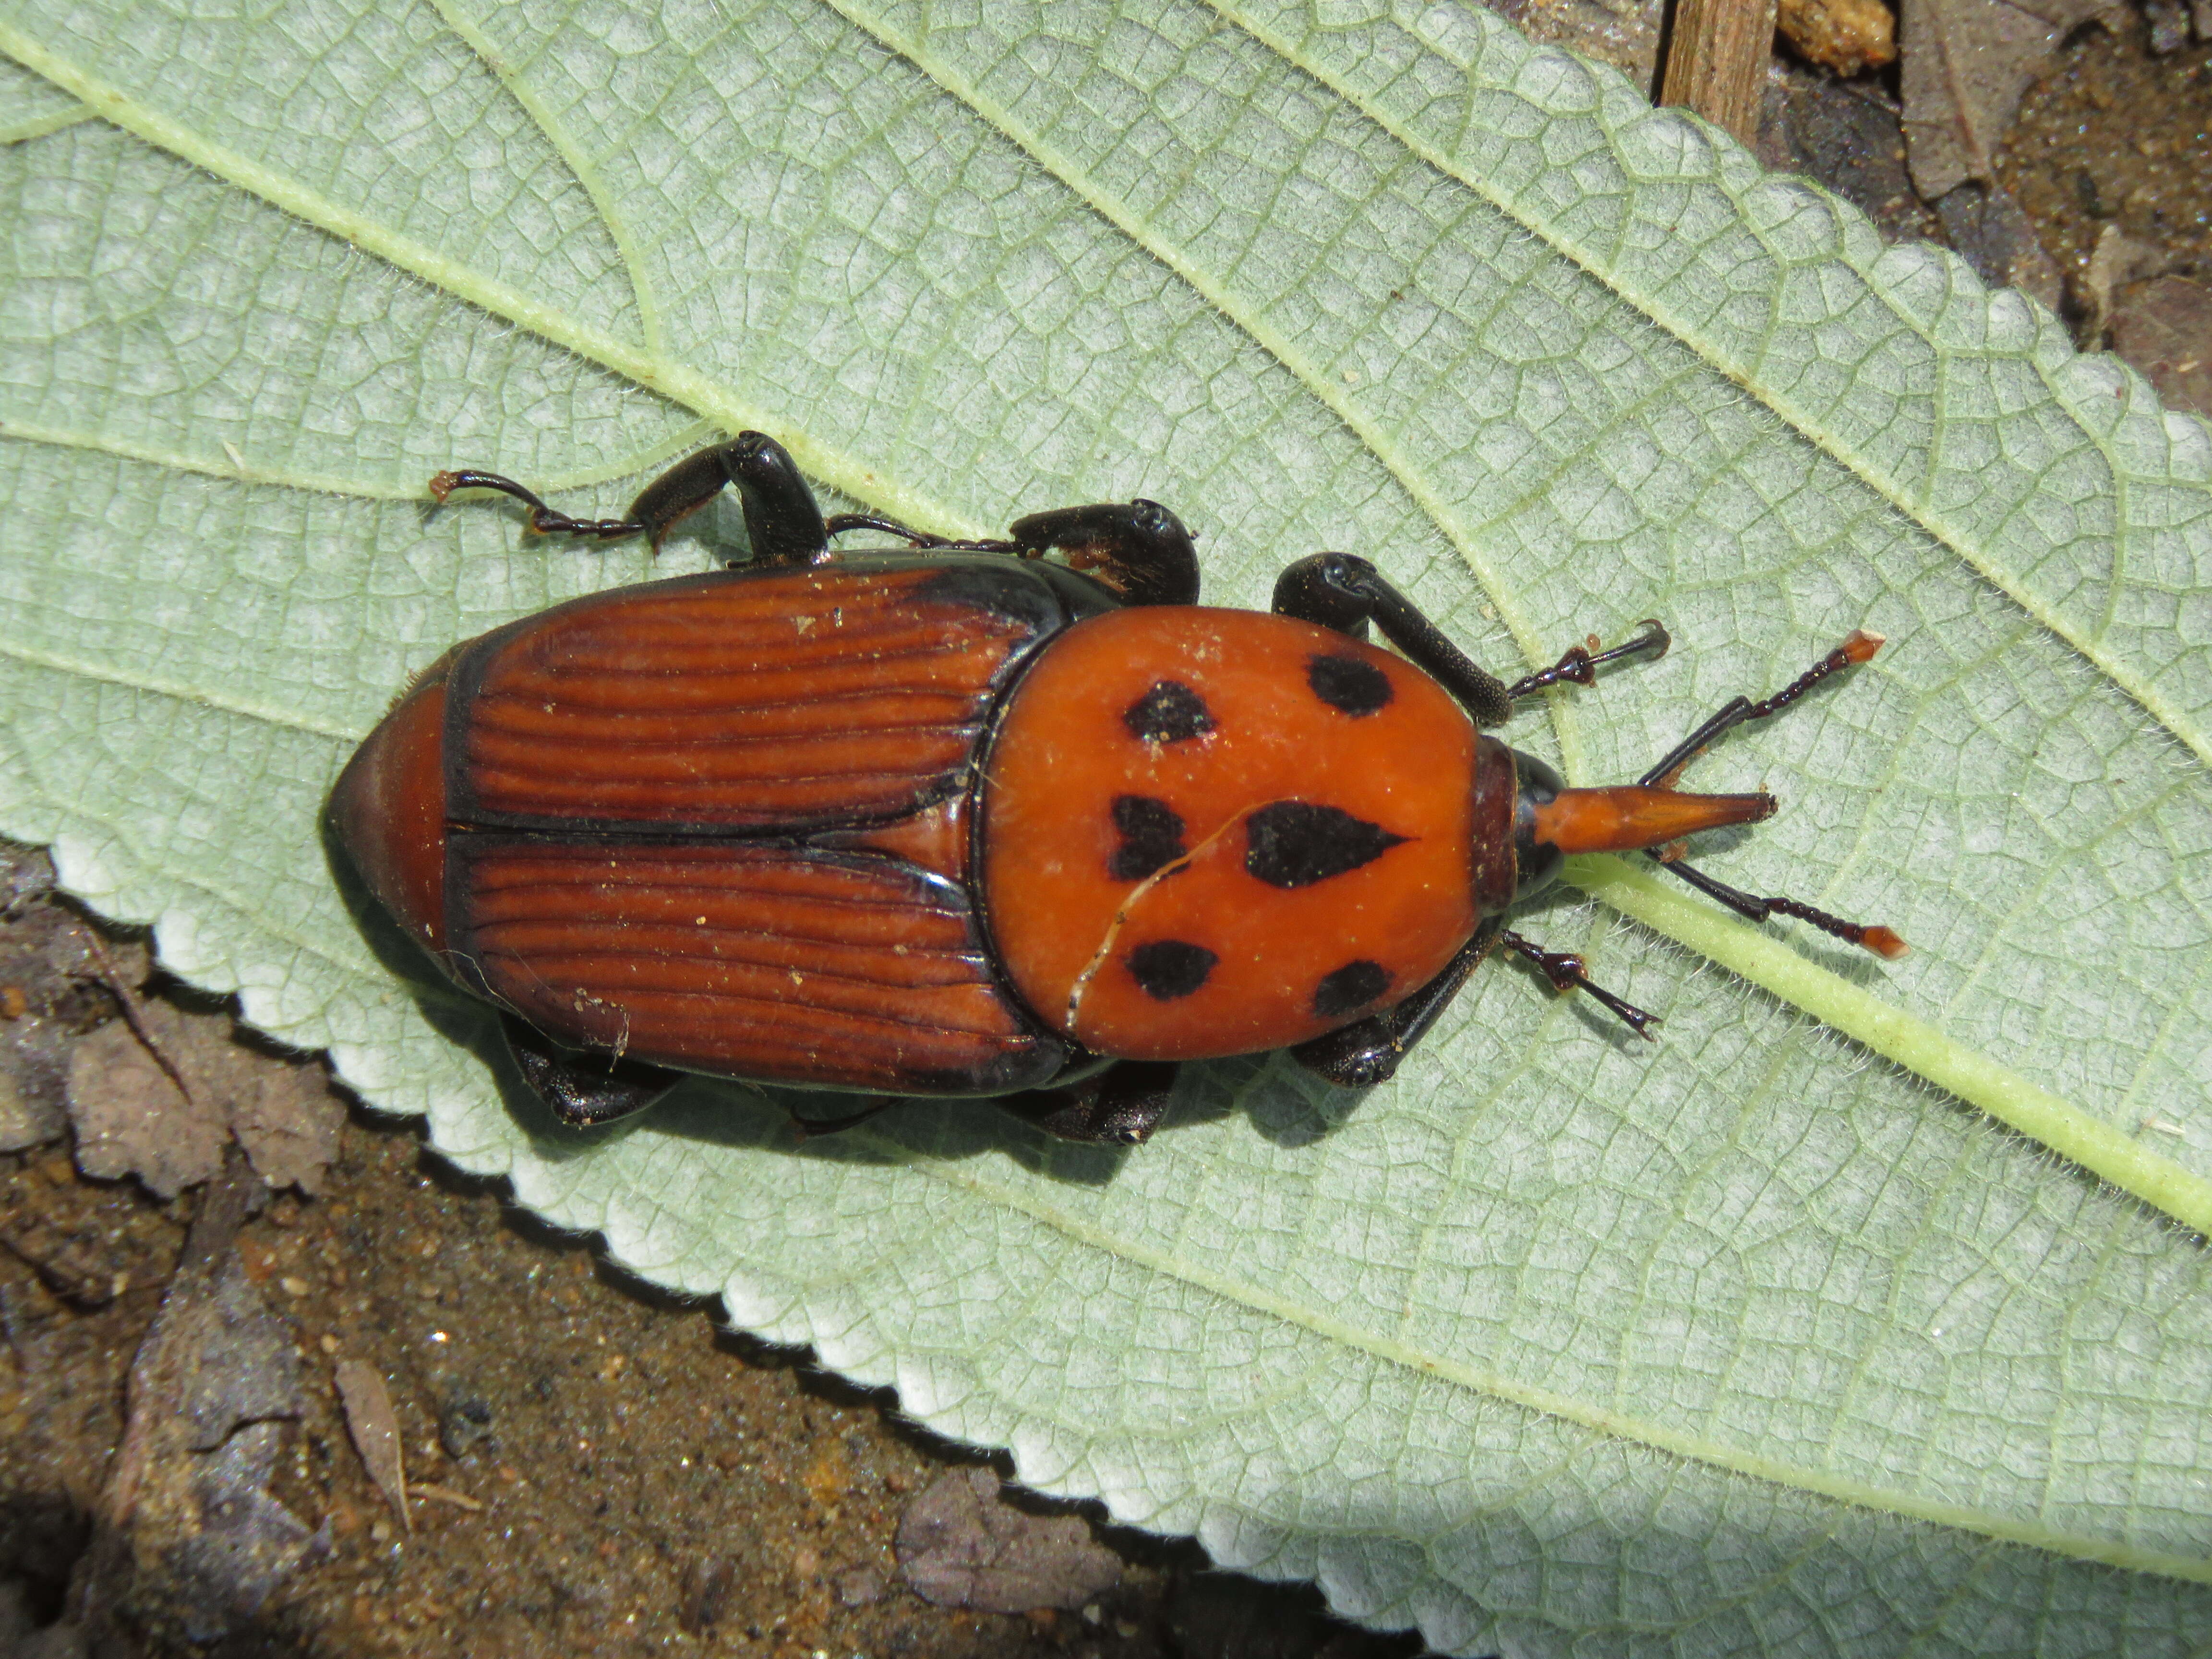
<point>375,1431</point>
<point>132,1118</point>
<point>2164,331</point>
<point>1966,64</point>
<point>961,1545</point>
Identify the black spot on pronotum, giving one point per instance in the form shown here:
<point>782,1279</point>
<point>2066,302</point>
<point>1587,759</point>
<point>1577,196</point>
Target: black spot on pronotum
<point>1350,988</point>
<point>1294,843</point>
<point>1351,684</point>
<point>1168,968</point>
<point>1151,835</point>
<point>1170,713</point>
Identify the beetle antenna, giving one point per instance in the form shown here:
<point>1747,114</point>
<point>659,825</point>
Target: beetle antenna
<point>1579,665</point>
<point>543,520</point>
<point>1739,711</point>
<point>1568,972</point>
<point>1880,940</point>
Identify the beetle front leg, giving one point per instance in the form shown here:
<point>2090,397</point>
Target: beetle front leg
<point>1345,592</point>
<point>1138,547</point>
<point>1368,1051</point>
<point>782,520</point>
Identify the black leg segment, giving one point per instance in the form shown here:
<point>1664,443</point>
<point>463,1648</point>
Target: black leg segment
<point>582,1089</point>
<point>1344,593</point>
<point>1567,972</point>
<point>782,519</point>
<point>1367,1052</point>
<point>1119,1107</point>
<point>1138,549</point>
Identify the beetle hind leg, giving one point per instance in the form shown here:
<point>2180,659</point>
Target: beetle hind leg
<point>782,520</point>
<point>583,1090</point>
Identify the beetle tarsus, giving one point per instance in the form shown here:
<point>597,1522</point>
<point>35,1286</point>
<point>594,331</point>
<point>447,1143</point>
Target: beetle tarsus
<point>1880,940</point>
<point>543,520</point>
<point>1579,663</point>
<point>1568,972</point>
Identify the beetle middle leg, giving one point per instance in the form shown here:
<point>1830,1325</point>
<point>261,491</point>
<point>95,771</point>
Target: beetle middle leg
<point>1137,548</point>
<point>1119,1107</point>
<point>782,520</point>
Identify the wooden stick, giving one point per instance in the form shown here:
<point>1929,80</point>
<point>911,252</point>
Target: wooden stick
<point>1716,58</point>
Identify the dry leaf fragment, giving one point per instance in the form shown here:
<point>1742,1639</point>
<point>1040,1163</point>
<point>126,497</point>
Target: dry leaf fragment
<point>131,1119</point>
<point>961,1545</point>
<point>374,1430</point>
<point>1966,64</point>
<point>2117,261</point>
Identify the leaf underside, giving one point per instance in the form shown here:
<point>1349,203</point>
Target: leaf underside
<point>1754,1341</point>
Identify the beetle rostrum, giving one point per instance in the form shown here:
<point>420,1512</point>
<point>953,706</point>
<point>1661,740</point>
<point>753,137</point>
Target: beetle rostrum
<point>965,818</point>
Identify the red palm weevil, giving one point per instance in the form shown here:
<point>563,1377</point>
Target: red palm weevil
<point>955,818</point>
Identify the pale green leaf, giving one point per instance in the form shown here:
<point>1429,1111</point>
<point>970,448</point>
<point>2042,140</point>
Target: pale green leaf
<point>1754,1341</point>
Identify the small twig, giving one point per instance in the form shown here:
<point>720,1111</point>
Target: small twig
<point>1716,57</point>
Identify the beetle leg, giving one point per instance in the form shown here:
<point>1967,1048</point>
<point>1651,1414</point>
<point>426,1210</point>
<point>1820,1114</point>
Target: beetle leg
<point>1880,940</point>
<point>839,524</point>
<point>543,520</point>
<point>1367,1052</point>
<point>782,521</point>
<point>1567,973</point>
<point>1344,593</point>
<point>1579,666</point>
<point>582,1089</point>
<point>1119,1107</point>
<point>1138,549</point>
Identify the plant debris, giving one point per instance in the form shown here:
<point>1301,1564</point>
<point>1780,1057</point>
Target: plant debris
<point>375,1431</point>
<point>1966,64</point>
<point>159,1097</point>
<point>961,1545</point>
<point>1849,37</point>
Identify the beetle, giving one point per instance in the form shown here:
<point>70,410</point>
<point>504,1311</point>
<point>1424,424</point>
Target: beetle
<point>958,818</point>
